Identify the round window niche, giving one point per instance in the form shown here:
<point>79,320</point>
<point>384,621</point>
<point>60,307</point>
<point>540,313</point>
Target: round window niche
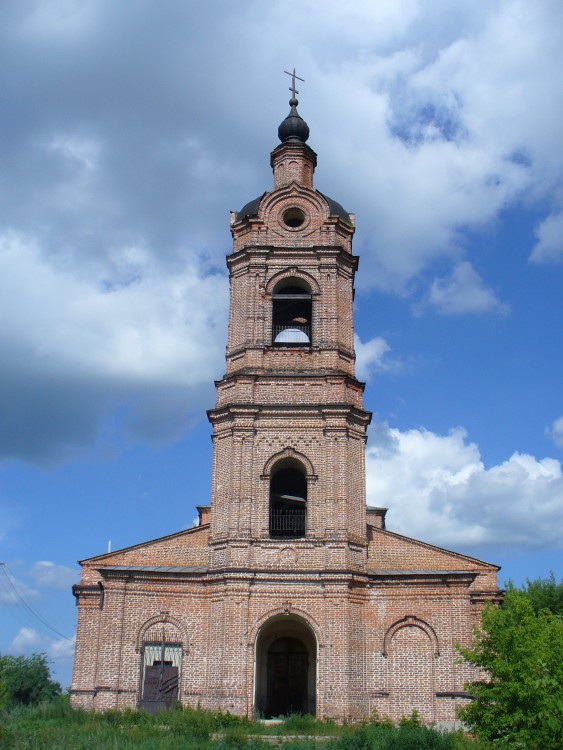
<point>293,218</point>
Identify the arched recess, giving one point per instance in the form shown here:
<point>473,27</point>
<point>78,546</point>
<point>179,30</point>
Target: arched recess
<point>162,643</point>
<point>288,476</point>
<point>292,313</point>
<point>287,609</point>
<point>289,452</point>
<point>292,274</point>
<point>411,648</point>
<point>411,621</point>
<point>286,648</point>
<point>145,631</point>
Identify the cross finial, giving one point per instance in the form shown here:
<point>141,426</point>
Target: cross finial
<point>292,88</point>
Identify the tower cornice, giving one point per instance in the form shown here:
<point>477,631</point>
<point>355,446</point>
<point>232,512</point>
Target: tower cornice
<point>327,412</point>
<point>260,254</point>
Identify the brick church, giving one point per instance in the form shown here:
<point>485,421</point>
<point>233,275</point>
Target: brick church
<point>290,595</point>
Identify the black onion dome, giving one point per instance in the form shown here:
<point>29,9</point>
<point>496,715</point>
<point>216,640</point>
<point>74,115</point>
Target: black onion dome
<point>250,208</point>
<point>294,127</point>
<point>335,209</point>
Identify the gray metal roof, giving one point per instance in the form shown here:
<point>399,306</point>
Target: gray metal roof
<point>334,208</point>
<point>378,572</point>
<point>154,568</point>
<point>250,208</point>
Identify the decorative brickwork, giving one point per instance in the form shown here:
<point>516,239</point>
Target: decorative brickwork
<point>290,595</point>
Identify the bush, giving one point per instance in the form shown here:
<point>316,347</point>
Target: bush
<point>26,680</point>
<point>411,734</point>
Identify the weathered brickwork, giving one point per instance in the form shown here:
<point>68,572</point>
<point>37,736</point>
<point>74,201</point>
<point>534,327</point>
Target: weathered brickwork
<point>287,566</point>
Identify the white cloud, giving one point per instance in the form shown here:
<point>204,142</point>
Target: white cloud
<point>53,576</point>
<point>438,490</point>
<point>549,246</point>
<point>556,432</point>
<point>371,357</point>
<point>61,649</point>
<point>28,641</point>
<point>84,152</point>
<point>463,292</point>
<point>138,324</point>
<point>78,342</point>
<point>12,590</point>
<point>454,119</point>
<point>428,117</point>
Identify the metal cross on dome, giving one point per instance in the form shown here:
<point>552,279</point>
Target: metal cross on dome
<point>292,88</point>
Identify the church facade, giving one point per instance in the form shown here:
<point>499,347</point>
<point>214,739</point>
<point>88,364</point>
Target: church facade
<point>290,595</point>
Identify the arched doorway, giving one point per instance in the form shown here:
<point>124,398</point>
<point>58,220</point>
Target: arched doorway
<point>286,668</point>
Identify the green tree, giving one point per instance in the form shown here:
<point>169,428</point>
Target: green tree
<point>26,680</point>
<point>520,705</point>
<point>543,593</point>
<point>4,694</point>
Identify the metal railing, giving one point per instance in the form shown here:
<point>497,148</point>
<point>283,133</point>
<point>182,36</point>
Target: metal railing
<point>291,333</point>
<point>287,521</point>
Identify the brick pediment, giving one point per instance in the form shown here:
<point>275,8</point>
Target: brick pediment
<point>185,548</point>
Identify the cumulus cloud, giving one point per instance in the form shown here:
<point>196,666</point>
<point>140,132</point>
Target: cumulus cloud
<point>556,432</point>
<point>450,115</point>
<point>13,590</point>
<point>437,489</point>
<point>26,641</point>
<point>460,121</point>
<point>463,292</point>
<point>75,346</point>
<point>549,246</point>
<point>127,325</point>
<point>29,640</point>
<point>371,357</point>
<point>49,575</point>
<point>119,166</point>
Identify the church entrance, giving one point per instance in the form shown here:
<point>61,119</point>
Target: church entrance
<point>287,666</point>
<point>286,674</point>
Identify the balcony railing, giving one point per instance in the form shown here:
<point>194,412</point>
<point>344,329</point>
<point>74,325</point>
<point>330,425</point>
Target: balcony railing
<point>291,334</point>
<point>287,522</point>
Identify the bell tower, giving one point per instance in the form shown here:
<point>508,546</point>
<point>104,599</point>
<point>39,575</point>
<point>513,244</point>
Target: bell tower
<point>289,426</point>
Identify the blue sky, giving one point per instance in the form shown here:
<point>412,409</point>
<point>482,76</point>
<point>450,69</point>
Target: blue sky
<point>128,131</point>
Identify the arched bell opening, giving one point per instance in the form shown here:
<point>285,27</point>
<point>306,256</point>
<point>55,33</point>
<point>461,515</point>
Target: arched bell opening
<point>286,668</point>
<point>292,313</point>
<point>288,499</point>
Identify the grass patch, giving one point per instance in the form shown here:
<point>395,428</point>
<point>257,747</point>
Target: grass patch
<point>57,726</point>
<point>298,724</point>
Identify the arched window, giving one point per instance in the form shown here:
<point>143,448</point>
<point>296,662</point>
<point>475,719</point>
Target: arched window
<point>292,313</point>
<point>288,499</point>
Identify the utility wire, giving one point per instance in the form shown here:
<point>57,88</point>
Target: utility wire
<point>28,607</point>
